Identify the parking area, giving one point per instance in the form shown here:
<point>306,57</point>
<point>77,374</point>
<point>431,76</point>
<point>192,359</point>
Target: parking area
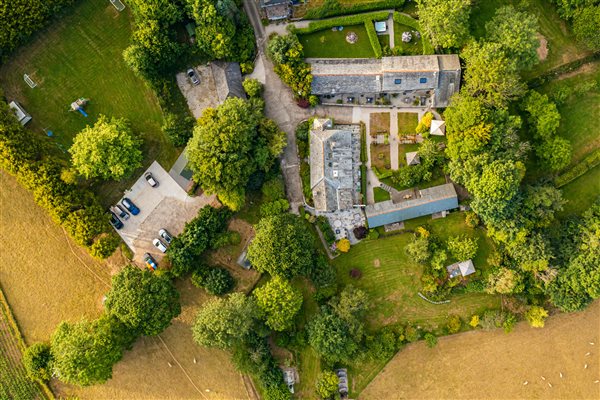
<point>167,206</point>
<point>202,96</point>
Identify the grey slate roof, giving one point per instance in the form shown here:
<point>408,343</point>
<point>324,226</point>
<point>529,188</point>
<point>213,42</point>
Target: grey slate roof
<point>267,3</point>
<point>228,80</point>
<point>412,158</point>
<point>430,201</point>
<point>334,158</point>
<point>440,73</point>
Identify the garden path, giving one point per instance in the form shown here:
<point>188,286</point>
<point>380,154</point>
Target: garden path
<point>390,24</point>
<point>394,138</point>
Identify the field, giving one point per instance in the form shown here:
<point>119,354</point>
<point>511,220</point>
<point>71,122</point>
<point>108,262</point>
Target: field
<point>81,56</point>
<point>407,123</point>
<point>14,382</point>
<point>392,279</point>
<point>332,44</point>
<point>494,365</point>
<point>562,47</point>
<point>48,279</point>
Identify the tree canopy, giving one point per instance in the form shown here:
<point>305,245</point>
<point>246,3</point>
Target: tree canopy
<point>586,26</point>
<point>229,144</point>
<point>37,360</point>
<point>282,246</point>
<point>280,302</point>
<point>143,301</point>
<point>108,150</point>
<point>225,322</point>
<point>445,22</point>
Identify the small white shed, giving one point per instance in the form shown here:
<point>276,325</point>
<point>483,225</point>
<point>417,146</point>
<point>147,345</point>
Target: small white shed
<point>438,128</point>
<point>20,112</point>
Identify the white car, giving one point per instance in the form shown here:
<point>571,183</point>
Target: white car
<point>159,245</point>
<point>193,77</point>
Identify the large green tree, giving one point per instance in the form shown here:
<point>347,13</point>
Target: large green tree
<point>282,246</point>
<point>280,302</point>
<point>108,150</point>
<point>37,360</point>
<point>330,336</point>
<point>516,32</point>
<point>586,25</point>
<point>85,352</point>
<point>225,322</point>
<point>143,301</point>
<point>327,385</point>
<point>445,22</point>
<point>230,143</point>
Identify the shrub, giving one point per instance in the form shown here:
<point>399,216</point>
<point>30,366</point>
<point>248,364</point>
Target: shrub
<point>411,333</point>
<point>361,232</point>
<point>327,384</point>
<point>589,162</point>
<point>105,245</point>
<point>325,228</point>
<point>462,247</point>
<point>454,324</point>
<point>425,123</point>
<point>355,273</point>
<point>177,128</point>
<point>536,316</point>
<point>373,234</point>
<point>37,360</point>
<point>430,340</point>
<point>474,321</point>
<point>472,219</point>
<point>252,87</point>
<point>215,280</point>
<point>273,189</point>
<point>274,208</point>
<point>343,245</point>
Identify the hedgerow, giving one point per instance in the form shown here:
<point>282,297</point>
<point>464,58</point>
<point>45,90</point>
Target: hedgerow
<point>370,27</point>
<point>341,21</point>
<point>589,162</point>
<point>332,8</point>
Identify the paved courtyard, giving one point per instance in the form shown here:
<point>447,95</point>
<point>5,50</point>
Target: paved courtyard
<point>166,206</point>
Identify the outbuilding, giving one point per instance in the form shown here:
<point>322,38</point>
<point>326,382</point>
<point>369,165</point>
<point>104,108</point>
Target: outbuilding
<point>463,268</point>
<point>22,116</point>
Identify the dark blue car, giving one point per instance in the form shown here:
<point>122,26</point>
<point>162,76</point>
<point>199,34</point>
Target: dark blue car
<point>115,221</point>
<point>128,204</point>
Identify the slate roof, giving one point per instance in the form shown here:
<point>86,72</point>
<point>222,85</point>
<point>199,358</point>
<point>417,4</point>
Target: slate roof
<point>412,158</point>
<point>228,80</point>
<point>334,159</point>
<point>431,200</point>
<point>463,268</point>
<point>440,73</point>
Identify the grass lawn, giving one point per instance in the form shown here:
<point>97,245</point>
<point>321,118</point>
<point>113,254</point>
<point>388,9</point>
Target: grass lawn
<point>402,150</point>
<point>380,194</point>
<point>562,46</point>
<point>581,193</point>
<point>379,123</point>
<point>384,40</point>
<point>407,123</point>
<point>392,279</point>
<point>81,56</point>
<point>414,47</point>
<point>380,156</point>
<point>332,44</point>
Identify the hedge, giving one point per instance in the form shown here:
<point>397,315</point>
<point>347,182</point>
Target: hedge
<point>363,183</point>
<point>407,20</point>
<point>332,8</point>
<point>370,27</point>
<point>589,162</point>
<point>341,21</point>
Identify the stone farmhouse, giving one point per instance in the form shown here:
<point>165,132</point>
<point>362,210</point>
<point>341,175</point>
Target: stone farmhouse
<point>276,10</point>
<point>403,81</point>
<point>334,165</point>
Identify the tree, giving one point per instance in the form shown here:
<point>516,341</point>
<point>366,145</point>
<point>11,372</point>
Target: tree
<point>281,246</point>
<point>445,22</point>
<point>37,360</point>
<point>214,280</point>
<point>352,304</point>
<point>343,245</point>
<point>505,281</point>
<point>142,301</point>
<point>329,335</point>
<point>85,352</point>
<point>229,144</point>
<point>462,247</point>
<point>586,26</point>
<point>225,322</point>
<point>555,153</point>
<point>287,54</point>
<point>536,316</point>
<point>252,87</point>
<point>491,75</point>
<point>418,249</point>
<point>516,32</point>
<point>430,340</point>
<point>543,114</point>
<point>280,302</point>
<point>327,385</point>
<point>108,150</point>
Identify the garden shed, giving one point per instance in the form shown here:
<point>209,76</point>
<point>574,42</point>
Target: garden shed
<point>438,128</point>
<point>412,158</point>
<point>462,268</point>
<point>22,116</point>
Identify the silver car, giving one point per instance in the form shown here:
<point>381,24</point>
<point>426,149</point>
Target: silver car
<point>193,76</point>
<point>159,245</point>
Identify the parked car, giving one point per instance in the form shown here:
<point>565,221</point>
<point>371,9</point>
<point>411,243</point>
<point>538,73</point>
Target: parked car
<point>128,204</point>
<point>150,262</point>
<point>150,179</point>
<point>115,221</point>
<point>193,76</point>
<point>120,211</point>
<point>159,245</point>
<point>164,234</point>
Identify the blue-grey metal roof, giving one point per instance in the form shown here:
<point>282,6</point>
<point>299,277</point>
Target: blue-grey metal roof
<point>413,212</point>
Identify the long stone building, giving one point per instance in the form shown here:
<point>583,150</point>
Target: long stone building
<point>405,80</point>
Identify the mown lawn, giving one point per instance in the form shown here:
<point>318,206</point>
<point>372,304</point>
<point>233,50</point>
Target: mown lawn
<point>581,193</point>
<point>562,46</point>
<point>380,194</point>
<point>333,44</point>
<point>407,123</point>
<point>81,56</point>
<point>414,47</point>
<point>392,279</point>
